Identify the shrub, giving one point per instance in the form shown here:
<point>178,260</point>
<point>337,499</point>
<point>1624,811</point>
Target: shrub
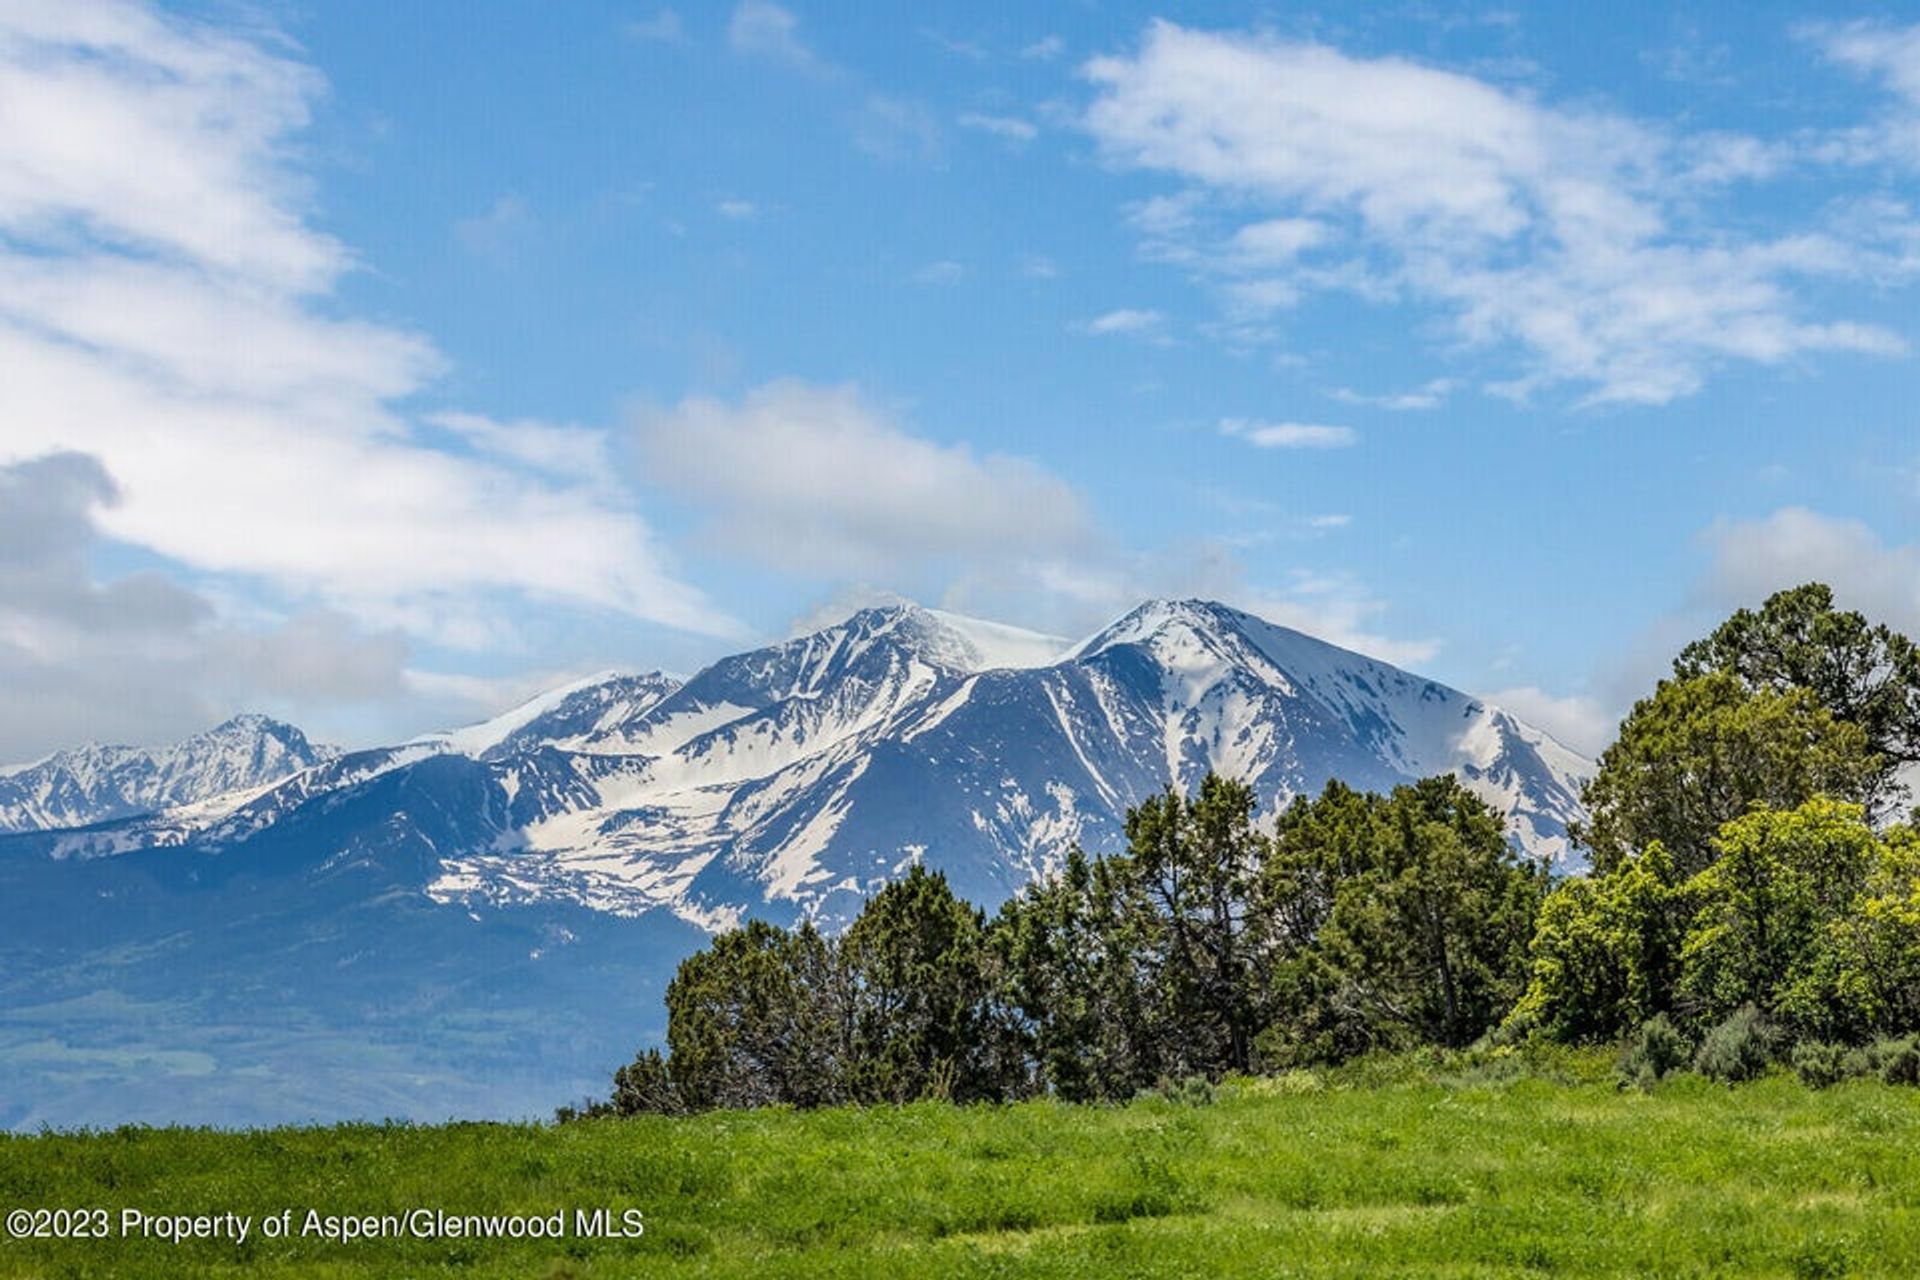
<point>1897,1061</point>
<point>1819,1064</point>
<point>1656,1049</point>
<point>1738,1049</point>
<point>1187,1091</point>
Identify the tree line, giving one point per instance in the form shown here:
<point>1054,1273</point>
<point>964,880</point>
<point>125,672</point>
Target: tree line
<point>1747,882</point>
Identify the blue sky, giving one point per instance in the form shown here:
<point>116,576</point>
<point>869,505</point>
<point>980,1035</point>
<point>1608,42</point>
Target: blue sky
<point>378,368</point>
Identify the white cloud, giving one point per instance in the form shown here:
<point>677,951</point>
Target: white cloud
<point>1752,559</point>
<point>1011,128</point>
<point>1127,320</point>
<point>1570,238</point>
<point>819,480</point>
<point>737,210</point>
<point>664,26</point>
<point>1892,54</point>
<point>1429,395</point>
<point>140,658</point>
<point>940,273</point>
<point>1289,435</point>
<point>760,29</point>
<point>1037,266</point>
<point>498,233</point>
<point>1045,49</point>
<point>1581,722</point>
<point>895,129</point>
<point>165,307</point>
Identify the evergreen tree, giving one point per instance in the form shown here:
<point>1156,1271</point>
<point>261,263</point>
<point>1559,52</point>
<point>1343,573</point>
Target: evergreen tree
<point>1421,916</point>
<point>1701,752</point>
<point>1863,674</point>
<point>1198,862</point>
<point>756,1018</point>
<point>918,968</point>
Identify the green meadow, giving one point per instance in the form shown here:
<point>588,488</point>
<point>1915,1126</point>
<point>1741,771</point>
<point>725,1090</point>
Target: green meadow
<point>1377,1169</point>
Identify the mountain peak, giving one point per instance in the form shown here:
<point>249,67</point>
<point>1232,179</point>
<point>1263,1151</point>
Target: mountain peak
<point>951,640</point>
<point>1159,620</point>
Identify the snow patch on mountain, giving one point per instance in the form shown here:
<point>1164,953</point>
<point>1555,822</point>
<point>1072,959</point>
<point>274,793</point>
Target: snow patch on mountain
<point>95,783</point>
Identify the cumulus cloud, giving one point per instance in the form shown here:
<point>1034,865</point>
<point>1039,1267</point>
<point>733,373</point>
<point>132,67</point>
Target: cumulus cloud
<point>1289,435</point>
<point>1569,240</point>
<point>140,658</point>
<point>1752,559</point>
<point>820,480</point>
<point>166,306</point>
<point>1582,722</point>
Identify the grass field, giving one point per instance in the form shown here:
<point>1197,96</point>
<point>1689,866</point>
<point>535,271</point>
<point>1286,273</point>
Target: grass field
<point>1401,1173</point>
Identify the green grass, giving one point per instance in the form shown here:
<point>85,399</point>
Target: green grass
<point>1384,1170</point>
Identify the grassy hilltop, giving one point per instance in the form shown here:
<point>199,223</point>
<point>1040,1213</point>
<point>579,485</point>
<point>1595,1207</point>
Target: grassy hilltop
<point>1366,1172</point>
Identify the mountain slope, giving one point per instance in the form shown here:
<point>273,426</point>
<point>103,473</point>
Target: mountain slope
<point>450,922</point>
<point>795,780</point>
<point>94,783</point>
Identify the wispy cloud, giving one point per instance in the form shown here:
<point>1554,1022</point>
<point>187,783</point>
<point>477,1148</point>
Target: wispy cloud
<point>1289,435</point>
<point>1570,239</point>
<point>761,29</point>
<point>1127,320</point>
<point>664,26</point>
<point>1892,55</point>
<point>1012,128</point>
<point>943,272</point>
<point>499,233</point>
<point>1429,395</point>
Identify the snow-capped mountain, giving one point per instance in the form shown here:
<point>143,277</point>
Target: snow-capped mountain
<point>795,779</point>
<point>464,893</point>
<point>90,784</point>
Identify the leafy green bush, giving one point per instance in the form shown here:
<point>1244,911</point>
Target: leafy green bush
<point>1740,1048</point>
<point>1897,1061</point>
<point>1819,1064</point>
<point>1655,1050</point>
<point>1187,1091</point>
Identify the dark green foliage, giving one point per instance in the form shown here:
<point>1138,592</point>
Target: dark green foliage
<point>1703,751</point>
<point>1819,1063</point>
<point>1864,674</point>
<point>759,1017</point>
<point>917,973</point>
<point>1740,1048</point>
<point>1370,922</point>
<point>1073,951</point>
<point>1656,1050</point>
<point>1400,920</point>
<point>1197,863</point>
<point>1896,1061</point>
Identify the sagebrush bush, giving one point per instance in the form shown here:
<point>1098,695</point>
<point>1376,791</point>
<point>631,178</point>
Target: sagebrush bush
<point>1897,1061</point>
<point>1741,1048</point>
<point>1657,1049</point>
<point>1819,1064</point>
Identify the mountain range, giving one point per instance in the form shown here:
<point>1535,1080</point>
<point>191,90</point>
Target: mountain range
<point>248,927</point>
